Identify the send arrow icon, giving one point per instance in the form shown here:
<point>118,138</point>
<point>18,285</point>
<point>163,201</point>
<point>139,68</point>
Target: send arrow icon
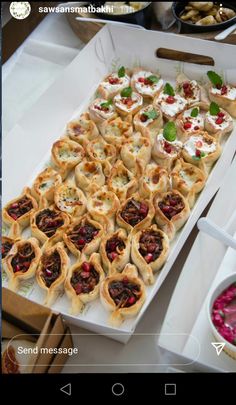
<point>66,389</point>
<point>218,346</point>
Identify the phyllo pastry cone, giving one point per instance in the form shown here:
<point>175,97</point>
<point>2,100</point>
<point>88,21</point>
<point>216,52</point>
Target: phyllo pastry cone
<point>103,206</point>
<point>45,184</point>
<point>137,149</point>
<point>149,251</point>
<point>82,130</point>
<point>115,251</point>
<point>101,110</point>
<point>121,181</point>
<point>113,83</point>
<point>101,151</point>
<point>146,83</point>
<point>155,178</point>
<point>82,284</point>
<point>149,121</point>
<point>70,199</point>
<point>166,148</point>
<point>65,155</point>
<point>123,294</point>
<point>222,93</point>
<point>89,174</point>
<point>116,131</point>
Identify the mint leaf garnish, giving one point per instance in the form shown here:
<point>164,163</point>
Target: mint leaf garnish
<point>215,79</point>
<point>169,131</point>
<point>126,92</point>
<point>121,72</point>
<point>214,108</point>
<point>168,89</point>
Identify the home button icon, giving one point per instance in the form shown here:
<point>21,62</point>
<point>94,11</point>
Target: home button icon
<point>118,389</point>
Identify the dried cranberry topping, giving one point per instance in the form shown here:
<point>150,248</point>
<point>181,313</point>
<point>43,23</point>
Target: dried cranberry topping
<point>150,245</point>
<point>124,293</point>
<point>134,212</point>
<point>171,205</point>
<point>114,247</point>
<point>48,221</point>
<point>20,207</point>
<point>82,234</point>
<point>86,280</point>
<point>51,267</point>
<point>23,258</point>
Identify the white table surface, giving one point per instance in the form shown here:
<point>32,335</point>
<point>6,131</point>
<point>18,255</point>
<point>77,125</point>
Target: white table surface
<point>26,75</point>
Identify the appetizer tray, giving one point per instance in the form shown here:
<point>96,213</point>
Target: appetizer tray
<point>197,282</point>
<point>27,148</point>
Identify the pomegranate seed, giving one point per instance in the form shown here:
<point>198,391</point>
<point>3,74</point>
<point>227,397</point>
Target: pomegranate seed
<point>219,120</point>
<point>151,248</point>
<point>131,300</point>
<point>223,90</point>
<point>170,99</point>
<point>85,274</point>
<point>187,125</point>
<point>196,127</point>
<point>143,118</point>
<point>113,255</point>
<point>141,79</point>
<point>78,288</point>
<point>220,114</point>
<point>198,153</point>
<point>86,266</point>
<point>14,205</point>
<point>167,147</point>
<point>113,80</point>
<point>82,230</point>
<point>199,144</point>
<point>167,209</point>
<point>26,264</point>
<point>17,267</point>
<point>48,272</point>
<point>143,209</point>
<point>81,242</point>
<point>172,202</point>
<point>95,232</point>
<point>112,246</point>
<point>125,280</point>
<point>148,258</point>
<point>14,216</point>
<point>186,85</point>
<point>147,82</point>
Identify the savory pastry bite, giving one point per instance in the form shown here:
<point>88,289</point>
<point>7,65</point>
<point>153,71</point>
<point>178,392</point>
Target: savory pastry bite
<point>171,211</point>
<point>13,361</point>
<point>89,174</point>
<point>218,122</point>
<point>146,83</point>
<point>7,245</point>
<point>121,181</point>
<point>101,151</point>
<point>83,282</point>
<point>22,261</point>
<point>135,213</point>
<point>16,213</point>
<point>66,155</point>
<point>149,121</point>
<point>83,236</point>
<point>45,184</point>
<point>221,93</point>
<point>149,251</point>
<point>123,294</point>
<point>82,130</point>
<point>114,83</point>
<point>115,251</point>
<point>52,271</point>
<point>49,224</point>
<point>116,131</point>
<point>70,199</point>
<point>101,110</point>
<point>103,206</point>
<point>136,151</point>
<point>127,102</point>
<point>188,179</point>
<point>155,178</point>
<point>201,150</point>
<point>189,89</point>
<point>170,103</point>
<point>191,120</point>
<point>166,148</point>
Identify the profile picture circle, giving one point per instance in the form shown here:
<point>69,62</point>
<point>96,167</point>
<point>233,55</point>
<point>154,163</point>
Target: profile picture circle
<point>20,9</point>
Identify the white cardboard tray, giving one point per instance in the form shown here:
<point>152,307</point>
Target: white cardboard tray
<point>26,148</point>
<point>209,261</point>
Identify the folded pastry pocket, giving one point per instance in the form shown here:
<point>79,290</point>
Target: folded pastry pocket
<point>188,179</point>
<point>218,122</point>
<point>166,148</point>
<point>149,121</point>
<point>135,213</point>
<point>70,199</point>
<point>103,206</point>
<point>123,294</point>
<point>16,213</point>
<point>82,130</point>
<point>224,95</point>
<point>83,236</point>
<point>116,131</point>
<point>65,155</point>
<point>113,83</point>
<point>136,149</point>
<point>189,89</point>
<point>83,282</point>
<point>45,184</point>
<point>128,102</point>
<point>171,211</point>
<point>149,251</point>
<point>155,178</point>
<point>101,110</point>
<point>52,271</point>
<point>115,251</point>
<point>121,181</point>
<point>89,174</point>
<point>22,261</point>
<point>170,103</point>
<point>191,120</point>
<point>146,83</point>
<point>100,151</point>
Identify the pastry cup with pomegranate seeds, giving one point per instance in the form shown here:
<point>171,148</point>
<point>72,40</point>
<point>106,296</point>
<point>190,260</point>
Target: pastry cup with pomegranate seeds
<point>129,105</point>
<point>123,294</point>
<point>88,174</point>
<point>191,120</point>
<point>165,152</point>
<point>83,282</point>
<point>219,125</point>
<point>155,178</point>
<point>149,251</point>
<point>116,130</point>
<point>52,271</point>
<point>22,262</point>
<point>201,150</point>
<point>101,110</point>
<point>121,181</point>
<point>7,246</point>
<point>112,84</point>
<point>149,121</point>
<point>115,251</point>
<point>146,83</point>
<point>225,97</point>
<point>102,206</point>
<point>135,214</point>
<point>45,184</point>
<point>16,212</point>
<point>82,130</point>
<point>65,155</point>
<point>170,106</point>
<point>136,149</point>
<point>70,199</point>
<point>192,91</point>
<point>83,236</point>
<point>171,211</point>
<point>100,151</point>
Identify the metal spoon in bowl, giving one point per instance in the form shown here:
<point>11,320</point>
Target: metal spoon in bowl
<point>222,35</point>
<point>210,228</point>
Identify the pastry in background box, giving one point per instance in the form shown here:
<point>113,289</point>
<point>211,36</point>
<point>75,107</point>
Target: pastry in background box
<point>101,151</point>
<point>221,93</point>
<point>190,90</point>
<point>135,214</point>
<point>123,294</point>
<point>191,120</point>
<point>88,174</point>
<point>201,150</point>
<point>15,361</point>
<point>146,83</point>
<point>83,235</point>
<point>155,178</point>
<point>121,181</point>
<point>82,284</point>
<point>171,211</point>
<point>113,83</point>
<point>82,130</point>
<point>70,199</point>
<point>149,251</point>
<point>116,131</point>
<point>170,103</point>
<point>52,271</point>
<point>65,155</point>
<point>127,102</point>
<point>136,152</point>
<point>115,251</point>
<point>218,122</point>
<point>22,261</point>
<point>166,148</point>
<point>101,110</point>
<point>45,183</point>
<point>16,212</point>
<point>149,121</point>
<point>188,179</point>
<point>103,206</point>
